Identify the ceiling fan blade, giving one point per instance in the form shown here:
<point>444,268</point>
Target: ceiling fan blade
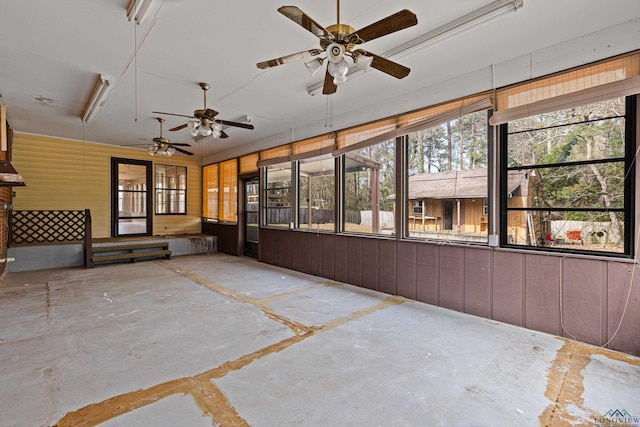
<point>392,23</point>
<point>236,124</point>
<point>180,144</point>
<point>223,134</point>
<point>182,126</point>
<point>305,21</point>
<point>289,58</point>
<point>188,153</point>
<point>172,114</point>
<point>329,87</point>
<point>210,114</point>
<point>387,66</point>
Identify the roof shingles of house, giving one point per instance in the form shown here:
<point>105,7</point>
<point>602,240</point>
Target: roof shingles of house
<point>463,184</point>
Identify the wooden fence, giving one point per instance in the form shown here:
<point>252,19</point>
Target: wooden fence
<point>318,216</point>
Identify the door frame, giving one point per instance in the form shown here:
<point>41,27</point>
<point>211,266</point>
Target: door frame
<point>114,190</point>
<point>242,216</point>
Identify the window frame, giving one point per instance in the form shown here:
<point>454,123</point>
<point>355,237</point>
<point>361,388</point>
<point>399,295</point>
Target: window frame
<point>416,208</point>
<point>627,210</point>
<point>159,188</point>
<point>341,200</point>
<point>474,237</point>
<point>292,166</point>
<point>297,182</point>
<point>225,189</point>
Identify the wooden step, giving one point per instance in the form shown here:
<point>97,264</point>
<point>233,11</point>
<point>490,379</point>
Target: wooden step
<point>133,256</point>
<point>132,246</point>
<point>132,252</point>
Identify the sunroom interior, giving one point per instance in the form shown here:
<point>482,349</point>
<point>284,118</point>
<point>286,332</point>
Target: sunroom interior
<point>500,184</point>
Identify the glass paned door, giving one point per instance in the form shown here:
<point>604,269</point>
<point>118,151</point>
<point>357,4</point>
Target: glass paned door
<point>131,199</point>
<point>251,216</point>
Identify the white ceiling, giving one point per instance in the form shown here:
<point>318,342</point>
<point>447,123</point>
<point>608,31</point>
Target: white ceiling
<point>51,53</point>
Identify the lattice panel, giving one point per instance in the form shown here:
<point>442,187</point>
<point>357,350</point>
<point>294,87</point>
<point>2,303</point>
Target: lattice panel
<point>31,227</point>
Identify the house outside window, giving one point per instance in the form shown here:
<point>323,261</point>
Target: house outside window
<point>171,190</point>
<point>577,163</point>
<point>447,171</point>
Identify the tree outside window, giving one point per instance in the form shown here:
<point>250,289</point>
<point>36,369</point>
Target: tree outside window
<point>575,162</point>
<point>369,187</point>
<point>316,193</point>
<point>447,180</point>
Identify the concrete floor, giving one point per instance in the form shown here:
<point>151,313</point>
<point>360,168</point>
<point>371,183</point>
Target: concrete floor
<point>214,340</point>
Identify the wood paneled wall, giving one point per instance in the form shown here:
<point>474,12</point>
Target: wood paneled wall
<point>74,175</point>
<point>570,296</point>
<point>227,235</point>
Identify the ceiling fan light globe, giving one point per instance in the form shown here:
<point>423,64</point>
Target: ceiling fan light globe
<point>338,69</point>
<point>364,62</point>
<point>152,150</point>
<point>335,52</point>
<point>340,80</point>
<point>313,66</point>
<point>216,134</point>
<point>217,127</point>
<point>171,151</point>
<point>194,131</point>
<point>192,124</point>
<point>205,131</point>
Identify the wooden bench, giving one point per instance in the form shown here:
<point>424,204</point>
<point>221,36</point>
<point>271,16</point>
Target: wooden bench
<point>131,252</point>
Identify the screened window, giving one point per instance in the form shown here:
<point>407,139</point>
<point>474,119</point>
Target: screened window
<point>567,181</point>
<point>447,171</point>
<point>220,191</point>
<point>171,189</point>
<point>316,193</point>
<point>228,194</point>
<point>369,187</point>
<point>210,192</point>
<point>278,195</point>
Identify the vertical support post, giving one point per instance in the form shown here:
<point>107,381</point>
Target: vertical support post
<point>309,203</point>
<point>375,202</point>
<point>88,240</point>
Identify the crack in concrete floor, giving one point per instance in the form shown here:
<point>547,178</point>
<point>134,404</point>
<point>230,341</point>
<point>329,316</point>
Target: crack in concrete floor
<point>210,398</point>
<point>565,383</point>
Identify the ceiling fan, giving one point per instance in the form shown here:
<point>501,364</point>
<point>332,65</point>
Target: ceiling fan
<point>206,123</point>
<point>163,147</point>
<point>340,40</point>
